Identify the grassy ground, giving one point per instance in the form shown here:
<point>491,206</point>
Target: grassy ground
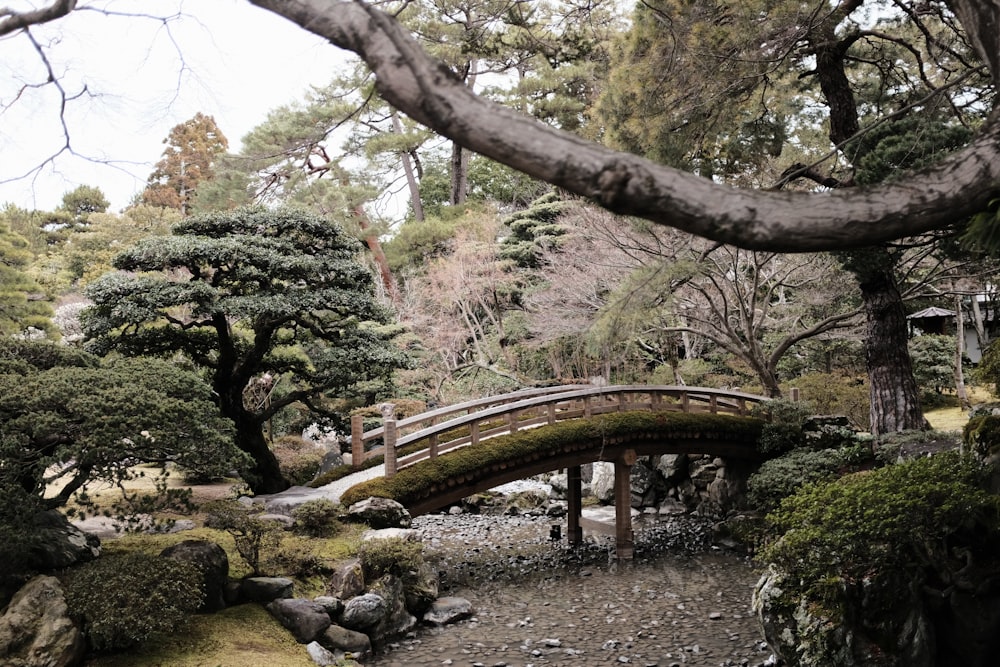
<point>951,416</point>
<point>235,637</point>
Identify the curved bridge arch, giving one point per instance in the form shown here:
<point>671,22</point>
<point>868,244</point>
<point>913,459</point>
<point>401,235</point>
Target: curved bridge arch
<point>573,420</point>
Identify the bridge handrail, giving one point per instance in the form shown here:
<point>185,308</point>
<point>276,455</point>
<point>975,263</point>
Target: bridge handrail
<point>716,400</point>
<point>489,401</point>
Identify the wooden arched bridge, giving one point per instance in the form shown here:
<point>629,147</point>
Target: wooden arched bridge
<point>424,437</point>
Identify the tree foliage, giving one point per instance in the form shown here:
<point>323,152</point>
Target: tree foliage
<point>917,518</point>
<point>189,159</point>
<point>251,295</point>
<point>21,304</point>
<point>68,421</point>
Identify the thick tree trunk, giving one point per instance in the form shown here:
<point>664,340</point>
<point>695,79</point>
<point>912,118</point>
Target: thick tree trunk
<point>265,474</point>
<point>895,399</point>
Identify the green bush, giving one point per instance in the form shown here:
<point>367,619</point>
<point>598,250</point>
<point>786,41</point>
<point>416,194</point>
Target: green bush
<point>836,394</point>
<point>988,370</point>
<point>920,515</point>
<point>393,555</point>
<point>124,599</point>
<point>933,360</point>
<point>783,422</point>
<point>982,435</point>
<point>317,518</point>
<point>779,478</point>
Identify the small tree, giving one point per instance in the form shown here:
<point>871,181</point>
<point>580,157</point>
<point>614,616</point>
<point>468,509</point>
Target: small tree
<point>247,295</point>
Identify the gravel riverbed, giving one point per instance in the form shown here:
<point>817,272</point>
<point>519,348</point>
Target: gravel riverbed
<point>682,601</point>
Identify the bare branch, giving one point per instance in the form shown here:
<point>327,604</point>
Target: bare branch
<point>12,21</point>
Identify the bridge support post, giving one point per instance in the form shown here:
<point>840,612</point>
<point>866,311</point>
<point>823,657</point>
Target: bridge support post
<point>357,444</point>
<point>624,541</point>
<point>574,502</point>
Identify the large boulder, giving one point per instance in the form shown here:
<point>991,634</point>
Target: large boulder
<point>265,589</point>
<point>602,484</point>
<point>363,612</point>
<point>643,483</point>
<point>397,620</point>
<point>421,588</point>
<point>806,633</point>
<point>36,630</point>
<point>347,580</point>
<point>61,544</point>
<point>305,619</point>
<point>448,610</point>
<point>380,513</point>
<point>213,563</point>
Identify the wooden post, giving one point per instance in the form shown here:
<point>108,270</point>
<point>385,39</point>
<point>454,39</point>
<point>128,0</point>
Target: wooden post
<point>574,498</point>
<point>624,541</point>
<point>389,436</point>
<point>794,394</point>
<point>357,444</point>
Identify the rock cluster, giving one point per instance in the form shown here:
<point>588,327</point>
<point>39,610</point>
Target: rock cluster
<point>354,616</point>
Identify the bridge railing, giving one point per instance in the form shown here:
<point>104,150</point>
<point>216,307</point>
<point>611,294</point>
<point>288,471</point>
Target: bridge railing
<point>475,421</point>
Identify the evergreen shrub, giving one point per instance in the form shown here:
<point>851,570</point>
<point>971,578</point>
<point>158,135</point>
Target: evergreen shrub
<point>918,516</point>
<point>783,422</point>
<point>317,518</point>
<point>982,435</point>
<point>393,555</point>
<point>779,478</point>
<point>124,599</point>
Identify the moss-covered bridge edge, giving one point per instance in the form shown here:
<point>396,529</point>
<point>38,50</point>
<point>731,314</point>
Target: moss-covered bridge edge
<point>435,483</point>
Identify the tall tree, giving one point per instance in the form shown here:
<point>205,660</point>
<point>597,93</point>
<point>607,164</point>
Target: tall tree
<point>246,294</point>
<point>189,159</point>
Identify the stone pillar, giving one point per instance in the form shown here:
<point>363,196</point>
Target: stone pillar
<point>574,502</point>
<point>624,545</point>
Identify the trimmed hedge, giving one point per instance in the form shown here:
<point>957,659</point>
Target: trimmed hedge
<point>413,483</point>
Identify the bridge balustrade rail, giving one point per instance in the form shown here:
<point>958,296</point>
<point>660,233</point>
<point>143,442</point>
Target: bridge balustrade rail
<point>479,420</point>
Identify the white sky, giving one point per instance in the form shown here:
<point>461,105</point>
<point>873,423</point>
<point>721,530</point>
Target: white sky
<point>224,58</point>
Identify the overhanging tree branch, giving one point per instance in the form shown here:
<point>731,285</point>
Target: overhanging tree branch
<point>782,221</point>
